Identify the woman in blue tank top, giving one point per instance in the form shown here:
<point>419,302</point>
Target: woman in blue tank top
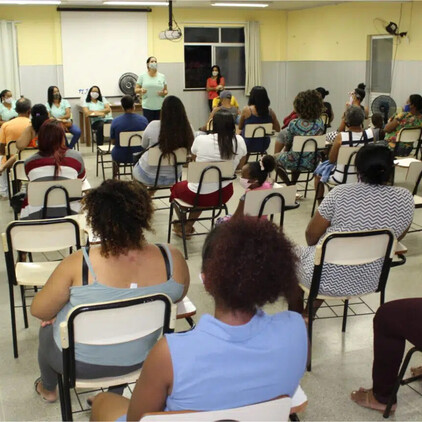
<point>124,266</point>
<point>239,356</point>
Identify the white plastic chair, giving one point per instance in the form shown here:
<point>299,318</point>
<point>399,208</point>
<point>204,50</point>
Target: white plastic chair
<point>258,130</point>
<point>105,324</point>
<point>272,410</point>
<point>350,249</point>
<point>127,140</point>
<point>34,236</point>
<point>410,135</point>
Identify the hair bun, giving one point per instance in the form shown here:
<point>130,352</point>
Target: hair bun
<point>362,86</point>
<point>268,163</point>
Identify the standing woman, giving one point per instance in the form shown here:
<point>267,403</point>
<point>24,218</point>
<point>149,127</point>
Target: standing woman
<point>7,106</point>
<point>97,106</point>
<point>152,86</point>
<point>215,84</point>
<point>60,109</point>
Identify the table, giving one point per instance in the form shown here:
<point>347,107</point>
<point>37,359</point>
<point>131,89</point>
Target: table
<point>85,126</point>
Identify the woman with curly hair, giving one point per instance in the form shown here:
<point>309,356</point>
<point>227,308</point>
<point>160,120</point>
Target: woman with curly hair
<point>124,266</point>
<point>309,106</point>
<point>239,356</point>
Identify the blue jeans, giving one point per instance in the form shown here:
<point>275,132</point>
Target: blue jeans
<point>76,132</point>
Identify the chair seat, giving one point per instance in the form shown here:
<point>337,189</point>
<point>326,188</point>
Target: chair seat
<point>325,297</point>
<point>400,249</point>
<point>104,149</point>
<point>187,205</point>
<point>418,201</point>
<point>34,273</point>
<point>405,162</point>
<point>185,308</point>
<point>108,381</point>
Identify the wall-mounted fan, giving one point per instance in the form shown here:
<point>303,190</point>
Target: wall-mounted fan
<point>385,105</point>
<point>127,83</point>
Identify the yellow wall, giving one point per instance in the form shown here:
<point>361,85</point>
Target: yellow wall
<point>273,29</point>
<point>340,32</point>
<point>39,37</point>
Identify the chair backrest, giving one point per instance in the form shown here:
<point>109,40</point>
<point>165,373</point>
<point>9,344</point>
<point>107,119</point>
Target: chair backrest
<point>198,171</point>
<point>131,139</point>
<point>37,191</point>
<point>114,322</point>
<point>410,134</point>
<point>11,149</point>
<point>354,248</point>
<point>258,130</point>
<point>347,155</point>
<point>26,153</point>
<point>366,123</point>
<point>154,157</point>
<point>41,235</point>
<point>414,175</point>
<point>308,143</point>
<point>325,119</point>
<point>273,410</point>
<point>269,201</point>
<point>18,171</point>
<point>106,129</point>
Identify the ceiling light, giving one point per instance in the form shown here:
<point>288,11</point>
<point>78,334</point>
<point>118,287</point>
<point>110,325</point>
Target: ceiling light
<point>29,2</point>
<point>240,4</point>
<point>136,3</point>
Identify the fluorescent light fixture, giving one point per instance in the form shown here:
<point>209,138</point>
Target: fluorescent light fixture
<point>136,3</point>
<point>220,4</point>
<point>29,2</point>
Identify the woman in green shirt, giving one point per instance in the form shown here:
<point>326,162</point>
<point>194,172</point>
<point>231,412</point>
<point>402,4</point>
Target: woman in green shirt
<point>97,108</point>
<point>152,86</point>
<point>7,106</point>
<point>60,109</point>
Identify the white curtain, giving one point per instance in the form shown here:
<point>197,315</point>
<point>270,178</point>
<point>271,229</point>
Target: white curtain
<point>9,65</point>
<point>252,56</point>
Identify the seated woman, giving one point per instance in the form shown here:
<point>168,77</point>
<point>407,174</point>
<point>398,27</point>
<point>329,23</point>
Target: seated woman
<point>171,132</point>
<point>328,109</point>
<point>123,260</point>
<point>53,161</point>
<point>60,109</point>
<point>346,208</point>
<point>411,116</point>
<point>356,98</point>
<point>394,323</point>
<point>98,109</point>
<point>7,106</point>
<point>226,104</point>
<point>308,105</point>
<point>239,356</point>
<point>355,136</point>
<point>258,111</point>
<point>221,145</point>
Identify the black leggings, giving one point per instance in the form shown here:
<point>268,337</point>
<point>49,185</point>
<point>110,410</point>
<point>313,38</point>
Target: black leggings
<point>98,127</point>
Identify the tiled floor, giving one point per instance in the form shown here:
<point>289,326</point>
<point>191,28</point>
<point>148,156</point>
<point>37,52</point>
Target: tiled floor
<point>341,362</point>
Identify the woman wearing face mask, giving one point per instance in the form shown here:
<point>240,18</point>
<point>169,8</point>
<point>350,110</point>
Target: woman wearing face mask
<point>152,86</point>
<point>7,106</point>
<point>411,116</point>
<point>215,84</point>
<point>98,109</point>
<point>60,109</point>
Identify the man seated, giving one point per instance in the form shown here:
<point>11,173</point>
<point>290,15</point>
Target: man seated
<point>127,122</point>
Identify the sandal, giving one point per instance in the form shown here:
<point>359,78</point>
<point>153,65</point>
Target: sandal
<point>178,232</point>
<point>365,398</point>
<point>37,382</point>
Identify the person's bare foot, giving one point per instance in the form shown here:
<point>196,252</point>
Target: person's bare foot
<point>365,398</point>
<point>47,395</point>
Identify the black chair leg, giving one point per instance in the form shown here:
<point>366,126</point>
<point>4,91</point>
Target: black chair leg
<point>13,321</point>
<point>102,166</point>
<point>183,222</point>
<point>61,396</point>
<point>190,321</point>
<point>294,417</point>
<point>310,324</point>
<point>345,309</point>
<point>403,369</point>
<point>24,310</point>
<point>170,222</point>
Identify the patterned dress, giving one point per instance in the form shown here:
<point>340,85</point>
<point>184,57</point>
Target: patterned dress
<point>300,127</point>
<point>351,207</point>
<point>405,119</point>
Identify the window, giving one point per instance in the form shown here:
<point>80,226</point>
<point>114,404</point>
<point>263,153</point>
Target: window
<point>207,46</point>
<point>381,63</point>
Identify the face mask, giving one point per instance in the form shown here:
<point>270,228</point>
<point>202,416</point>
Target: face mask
<point>152,66</point>
<point>56,96</point>
<point>9,100</point>
<point>94,95</point>
<point>244,183</point>
<point>214,73</point>
<point>406,108</point>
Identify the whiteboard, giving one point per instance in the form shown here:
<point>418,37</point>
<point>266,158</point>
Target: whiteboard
<point>99,47</point>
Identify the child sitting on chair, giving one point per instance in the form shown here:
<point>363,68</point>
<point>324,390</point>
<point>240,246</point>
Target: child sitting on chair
<point>254,176</point>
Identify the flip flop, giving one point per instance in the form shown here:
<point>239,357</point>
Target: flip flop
<point>365,398</point>
<point>36,384</point>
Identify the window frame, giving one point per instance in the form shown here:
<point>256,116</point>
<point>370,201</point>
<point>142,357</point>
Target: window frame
<point>213,46</point>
